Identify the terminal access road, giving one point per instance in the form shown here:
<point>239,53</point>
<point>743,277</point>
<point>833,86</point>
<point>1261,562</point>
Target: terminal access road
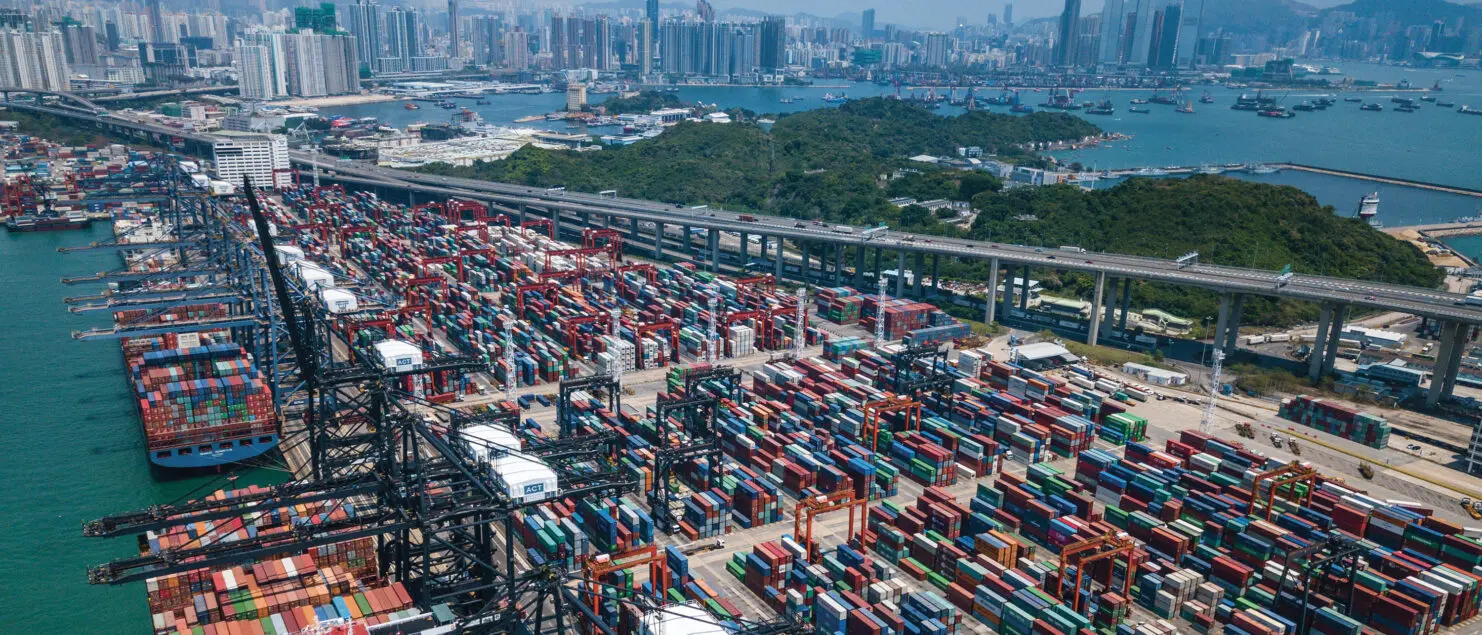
<point>1430,303</point>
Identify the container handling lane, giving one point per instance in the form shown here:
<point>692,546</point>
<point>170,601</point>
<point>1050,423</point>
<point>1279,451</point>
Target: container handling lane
<point>1415,300</point>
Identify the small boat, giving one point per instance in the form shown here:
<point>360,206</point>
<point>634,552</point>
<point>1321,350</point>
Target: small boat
<point>1305,106</point>
<point>1446,104</point>
<point>1468,110</point>
<point>1354,100</point>
<point>1427,98</point>
<point>481,102</point>
<point>411,106</point>
<point>1187,108</point>
<point>1139,102</point>
<point>1371,107</point>
<point>1210,169</point>
<point>1206,99</point>
<point>1103,108</point>
<point>1406,108</point>
<point>1151,172</point>
<point>1261,168</point>
<point>1277,113</point>
<point>1021,108</point>
<point>1138,111</point>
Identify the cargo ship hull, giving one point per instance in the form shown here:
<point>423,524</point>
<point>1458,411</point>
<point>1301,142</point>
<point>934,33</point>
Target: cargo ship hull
<point>213,454</point>
<point>46,225</point>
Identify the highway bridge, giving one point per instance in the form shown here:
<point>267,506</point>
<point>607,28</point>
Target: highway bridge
<point>1336,296</point>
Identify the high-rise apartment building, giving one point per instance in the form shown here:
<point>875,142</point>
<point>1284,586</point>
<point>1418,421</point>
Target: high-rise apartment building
<point>260,66</point>
<point>704,9</point>
<point>1188,33</point>
<point>363,20</point>
<point>455,45</point>
<point>1008,14</point>
<point>1140,24</point>
<point>81,44</point>
<point>402,39</point>
<point>485,40</point>
<point>773,42</point>
<point>646,48</point>
<point>1070,28</point>
<point>156,22</point>
<point>867,24</point>
<point>517,50</point>
<point>1113,16</point>
<point>319,65</point>
<point>33,60</point>
<point>934,54</point>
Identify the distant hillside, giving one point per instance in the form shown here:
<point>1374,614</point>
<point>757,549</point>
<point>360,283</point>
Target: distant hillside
<point>1273,17</point>
<point>1413,11</point>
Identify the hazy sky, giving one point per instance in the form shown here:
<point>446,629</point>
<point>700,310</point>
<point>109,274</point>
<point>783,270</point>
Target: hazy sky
<point>933,13</point>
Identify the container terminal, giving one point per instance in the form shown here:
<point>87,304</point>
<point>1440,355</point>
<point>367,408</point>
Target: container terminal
<point>492,430</point>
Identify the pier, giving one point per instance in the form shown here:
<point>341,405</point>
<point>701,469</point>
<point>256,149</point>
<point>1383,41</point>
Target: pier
<point>1449,189</point>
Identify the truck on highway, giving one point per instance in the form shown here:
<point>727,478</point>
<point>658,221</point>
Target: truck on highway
<point>842,229</point>
<point>746,218</point>
<point>1473,299</point>
<point>1073,249</point>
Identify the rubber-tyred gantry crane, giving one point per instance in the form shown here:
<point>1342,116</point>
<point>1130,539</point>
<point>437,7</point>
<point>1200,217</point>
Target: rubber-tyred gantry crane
<point>1086,552</point>
<point>809,508</point>
<point>571,326</point>
<point>547,289</point>
<point>869,431</point>
<point>593,239</point>
<point>765,281</point>
<point>549,226</point>
<point>1285,476</point>
<point>664,325</point>
<point>580,256</point>
<point>651,556</point>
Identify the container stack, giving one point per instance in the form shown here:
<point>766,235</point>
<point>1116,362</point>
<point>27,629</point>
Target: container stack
<point>207,395</point>
<point>839,305</point>
<point>1121,428</point>
<point>1334,418</point>
<point>706,515</point>
<point>614,525</point>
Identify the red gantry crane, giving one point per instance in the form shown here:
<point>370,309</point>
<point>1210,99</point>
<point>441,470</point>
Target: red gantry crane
<point>592,238</point>
<point>869,431</point>
<point>600,566</point>
<point>1286,476</point>
<point>664,325</point>
<point>809,508</point>
<point>1084,553</point>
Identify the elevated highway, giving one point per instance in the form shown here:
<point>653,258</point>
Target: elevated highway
<point>1335,296</point>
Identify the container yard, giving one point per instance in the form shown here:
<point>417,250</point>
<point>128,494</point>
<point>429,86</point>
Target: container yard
<point>507,429</point>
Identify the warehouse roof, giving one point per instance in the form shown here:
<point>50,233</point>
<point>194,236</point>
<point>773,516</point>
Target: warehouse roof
<point>1045,351</point>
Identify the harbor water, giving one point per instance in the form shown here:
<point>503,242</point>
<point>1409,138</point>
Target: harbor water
<point>75,449</point>
<point>1432,145</point>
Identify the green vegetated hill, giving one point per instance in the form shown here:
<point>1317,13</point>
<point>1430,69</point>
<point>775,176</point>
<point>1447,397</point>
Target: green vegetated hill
<point>829,164</point>
<point>1228,221</point>
<point>817,164</point>
<point>644,102</point>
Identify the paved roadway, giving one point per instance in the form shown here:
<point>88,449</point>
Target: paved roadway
<point>1414,300</point>
<point>1374,295</point>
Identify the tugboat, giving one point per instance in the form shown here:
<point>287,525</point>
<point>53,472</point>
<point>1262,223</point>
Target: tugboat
<point>1186,108</point>
<point>1371,107</point>
<point>1427,98</point>
<point>411,106</point>
<point>1354,100</point>
<point>1138,111</point>
<point>1138,102</point>
<point>1159,98</point>
<point>1206,98</point>
<point>1277,113</point>
<point>481,102</point>
<point>1305,106</point>
<point>1446,104</point>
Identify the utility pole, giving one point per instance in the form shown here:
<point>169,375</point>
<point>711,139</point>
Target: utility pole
<point>617,369</point>
<point>1206,424</point>
<point>880,312</point>
<point>710,355</point>
<point>802,323</point>
<point>509,360</point>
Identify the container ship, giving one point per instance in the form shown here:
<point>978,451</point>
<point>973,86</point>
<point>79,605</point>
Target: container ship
<point>201,406</point>
<point>46,223</point>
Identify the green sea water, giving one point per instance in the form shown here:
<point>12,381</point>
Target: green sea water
<point>73,448</point>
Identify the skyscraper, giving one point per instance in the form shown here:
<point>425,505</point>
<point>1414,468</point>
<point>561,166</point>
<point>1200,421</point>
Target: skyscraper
<point>1188,33</point>
<point>110,29</point>
<point>646,48</point>
<point>1167,24</point>
<point>1140,24</point>
<point>557,42</point>
<point>455,46</point>
<point>363,20</point>
<point>651,11</point>
<point>705,11</point>
<point>260,66</point>
<point>867,24</point>
<point>774,42</point>
<point>403,40</point>
<point>156,22</point>
<point>1008,14</point>
<point>602,38</point>
<point>1110,48</point>
<point>485,39</point>
<point>1070,26</point>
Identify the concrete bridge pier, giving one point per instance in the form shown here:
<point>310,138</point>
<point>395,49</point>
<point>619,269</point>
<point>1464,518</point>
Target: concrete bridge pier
<point>1464,335</point>
<point>713,237</point>
<point>1111,304</point>
<point>1448,357</point>
<point>936,278</point>
<point>524,211</point>
<point>1222,322</point>
<point>1314,359</point>
<point>1126,304</point>
<point>659,241</point>
<point>804,247</point>
<point>1095,322</point>
<point>900,275</point>
<point>1335,333</point>
<point>878,251</point>
<point>916,274</point>
<point>838,264</point>
<point>859,254</point>
<point>1232,329</point>
<point>992,296</point>
<point>1024,291</point>
<point>778,260</point>
<point>745,247</point>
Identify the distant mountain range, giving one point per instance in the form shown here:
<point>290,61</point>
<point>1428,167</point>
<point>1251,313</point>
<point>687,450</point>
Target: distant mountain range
<point>1259,16</point>
<point>1413,11</point>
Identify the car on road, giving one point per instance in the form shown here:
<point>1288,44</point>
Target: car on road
<point>1051,256</point>
<point>1090,262</point>
<point>799,225</point>
<point>1370,298</point>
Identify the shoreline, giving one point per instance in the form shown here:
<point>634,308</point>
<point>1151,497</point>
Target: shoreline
<point>337,100</point>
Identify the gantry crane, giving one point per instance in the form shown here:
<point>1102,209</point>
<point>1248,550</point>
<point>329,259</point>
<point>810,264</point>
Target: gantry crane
<point>548,289</point>
<point>696,437</point>
<point>663,325</point>
<point>593,238</point>
<point>539,222</point>
<point>813,506</point>
<point>1082,554</point>
<point>869,431</point>
<point>1286,476</point>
